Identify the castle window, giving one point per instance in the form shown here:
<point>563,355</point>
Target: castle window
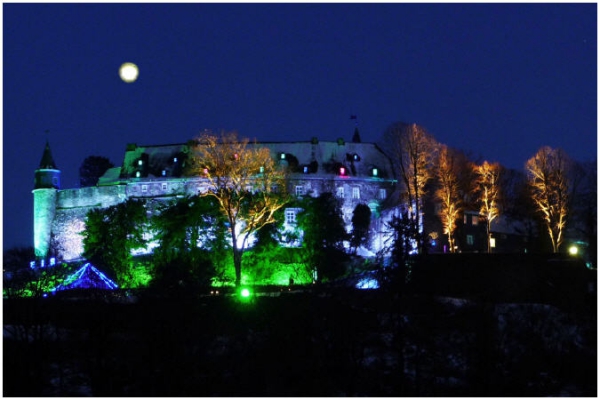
<point>290,216</point>
<point>282,156</point>
<point>164,172</point>
<point>138,174</point>
<point>174,159</point>
<point>164,186</point>
<point>382,194</point>
<point>144,188</point>
<point>375,172</point>
<point>470,240</point>
<point>305,169</point>
<point>342,171</point>
<point>140,162</point>
<point>299,190</point>
<point>340,192</point>
<point>356,193</point>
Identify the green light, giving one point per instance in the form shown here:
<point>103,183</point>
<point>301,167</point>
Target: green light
<point>245,293</point>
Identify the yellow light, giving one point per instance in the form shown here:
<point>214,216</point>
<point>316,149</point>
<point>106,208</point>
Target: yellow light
<point>573,250</point>
<point>128,72</point>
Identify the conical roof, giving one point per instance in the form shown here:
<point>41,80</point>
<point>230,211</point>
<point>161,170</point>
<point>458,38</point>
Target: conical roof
<point>47,161</point>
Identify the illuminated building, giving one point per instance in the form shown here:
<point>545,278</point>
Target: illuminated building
<point>355,172</point>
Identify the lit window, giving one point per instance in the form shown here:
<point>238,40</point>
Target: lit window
<point>382,194</point>
<point>474,220</point>
<point>262,169</point>
<point>175,159</point>
<point>305,169</point>
<point>138,174</point>
<point>356,157</point>
<point>144,188</point>
<point>342,171</point>
<point>164,172</point>
<point>52,261</point>
<point>492,242</point>
<point>355,193</point>
<point>470,240</point>
<point>375,172</point>
<point>140,162</point>
<point>290,216</point>
<point>299,190</point>
<point>282,156</point>
<point>340,192</point>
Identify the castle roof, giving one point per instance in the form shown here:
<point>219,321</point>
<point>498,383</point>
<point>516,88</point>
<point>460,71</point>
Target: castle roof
<point>323,157</point>
<point>47,161</point>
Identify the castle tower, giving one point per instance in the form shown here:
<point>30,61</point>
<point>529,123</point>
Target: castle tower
<point>46,185</point>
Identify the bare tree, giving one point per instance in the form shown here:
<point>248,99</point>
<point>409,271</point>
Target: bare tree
<point>548,180</point>
<point>412,151</point>
<point>448,192</point>
<point>247,184</point>
<point>488,194</point>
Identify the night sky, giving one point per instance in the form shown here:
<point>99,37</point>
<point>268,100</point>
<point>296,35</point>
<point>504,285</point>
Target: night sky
<point>498,80</point>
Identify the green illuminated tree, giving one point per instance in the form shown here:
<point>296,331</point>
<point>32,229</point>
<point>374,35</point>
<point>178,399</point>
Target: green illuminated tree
<point>189,233</point>
<point>110,236</point>
<point>246,183</point>
<point>487,188</point>
<point>548,177</point>
<point>323,234</point>
<point>412,151</point>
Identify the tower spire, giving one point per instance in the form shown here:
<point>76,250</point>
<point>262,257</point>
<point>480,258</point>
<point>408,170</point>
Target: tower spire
<point>47,161</point>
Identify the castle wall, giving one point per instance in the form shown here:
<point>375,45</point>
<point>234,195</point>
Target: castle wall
<point>72,205</point>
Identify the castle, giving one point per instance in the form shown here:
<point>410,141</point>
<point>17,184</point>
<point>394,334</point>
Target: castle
<point>355,172</point>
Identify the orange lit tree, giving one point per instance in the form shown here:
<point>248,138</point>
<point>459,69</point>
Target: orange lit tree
<point>412,150</point>
<point>548,180</point>
<point>247,184</point>
<point>487,187</point>
<point>448,191</point>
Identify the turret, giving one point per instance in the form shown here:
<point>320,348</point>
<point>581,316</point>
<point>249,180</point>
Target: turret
<point>46,185</point>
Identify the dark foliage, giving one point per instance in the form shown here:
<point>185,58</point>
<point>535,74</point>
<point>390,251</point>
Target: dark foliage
<point>324,233</point>
<point>361,219</point>
<point>92,168</point>
<point>322,342</point>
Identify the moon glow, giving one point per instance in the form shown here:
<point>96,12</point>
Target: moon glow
<point>128,72</point>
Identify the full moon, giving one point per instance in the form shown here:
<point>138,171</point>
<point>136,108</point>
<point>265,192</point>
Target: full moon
<point>128,72</point>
